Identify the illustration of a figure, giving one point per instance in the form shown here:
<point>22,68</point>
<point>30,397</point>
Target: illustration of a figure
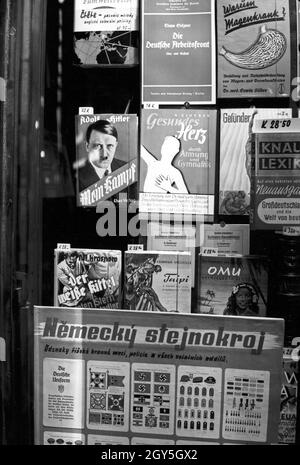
<point>67,270</point>
<point>162,176</point>
<point>74,265</point>
<point>139,292</point>
<point>243,301</point>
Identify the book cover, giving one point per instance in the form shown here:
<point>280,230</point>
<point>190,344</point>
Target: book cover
<point>105,33</point>
<point>87,278</point>
<point>234,184</point>
<point>254,54</point>
<point>289,398</point>
<point>227,238</point>
<point>173,237</point>
<point>275,179</point>
<point>178,52</point>
<point>177,165</point>
<point>233,285</point>
<point>106,156</point>
<point>157,281</point>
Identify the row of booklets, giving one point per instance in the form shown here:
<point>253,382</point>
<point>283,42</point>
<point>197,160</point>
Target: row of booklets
<point>161,281</point>
<point>174,158</point>
<point>183,43</point>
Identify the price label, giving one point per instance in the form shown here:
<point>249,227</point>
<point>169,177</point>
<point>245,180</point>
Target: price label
<point>86,111</point>
<point>281,125</point>
<point>63,246</point>
<point>151,106</point>
<point>135,247</point>
<point>291,231</point>
<point>209,251</point>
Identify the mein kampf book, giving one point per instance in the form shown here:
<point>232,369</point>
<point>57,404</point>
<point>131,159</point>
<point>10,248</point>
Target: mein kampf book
<point>106,32</point>
<point>87,278</point>
<point>178,52</point>
<point>106,157</point>
<point>254,51</point>
<point>177,165</point>
<point>235,156</point>
<point>275,178</point>
<point>158,281</point>
<point>233,285</point>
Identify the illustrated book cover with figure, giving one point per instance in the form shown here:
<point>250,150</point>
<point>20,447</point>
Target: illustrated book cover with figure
<point>105,33</point>
<point>177,163</point>
<point>87,278</point>
<point>158,281</point>
<point>178,52</point>
<point>233,285</point>
<point>275,175</point>
<point>106,157</point>
<point>289,397</point>
<point>254,51</point>
<point>235,156</point>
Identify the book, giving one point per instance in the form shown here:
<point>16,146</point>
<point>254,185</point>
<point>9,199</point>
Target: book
<point>235,156</point>
<point>106,33</point>
<point>275,178</point>
<point>87,278</point>
<point>178,52</point>
<point>177,165</point>
<point>254,48</point>
<point>226,239</point>
<point>173,237</point>
<point>233,285</point>
<point>157,281</point>
<point>106,157</point>
<point>289,398</point>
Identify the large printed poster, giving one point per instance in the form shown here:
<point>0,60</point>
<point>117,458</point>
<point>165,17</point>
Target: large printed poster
<point>178,54</point>
<point>140,378</point>
<point>254,55</point>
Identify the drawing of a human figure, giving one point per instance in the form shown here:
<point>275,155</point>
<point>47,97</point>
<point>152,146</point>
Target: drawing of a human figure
<point>162,176</point>
<point>139,292</point>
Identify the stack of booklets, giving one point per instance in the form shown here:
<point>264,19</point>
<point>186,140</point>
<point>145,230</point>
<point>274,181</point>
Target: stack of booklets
<point>232,285</point>
<point>158,281</point>
<point>87,278</point>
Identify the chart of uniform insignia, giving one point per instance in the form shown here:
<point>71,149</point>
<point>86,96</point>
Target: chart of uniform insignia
<point>198,402</point>
<point>108,402</point>
<point>153,398</point>
<point>246,404</point>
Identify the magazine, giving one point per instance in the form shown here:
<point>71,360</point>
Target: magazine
<point>235,156</point>
<point>158,281</point>
<point>87,278</point>
<point>177,165</point>
<point>106,157</point>
<point>254,51</point>
<point>289,398</point>
<point>234,285</point>
<point>106,33</point>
